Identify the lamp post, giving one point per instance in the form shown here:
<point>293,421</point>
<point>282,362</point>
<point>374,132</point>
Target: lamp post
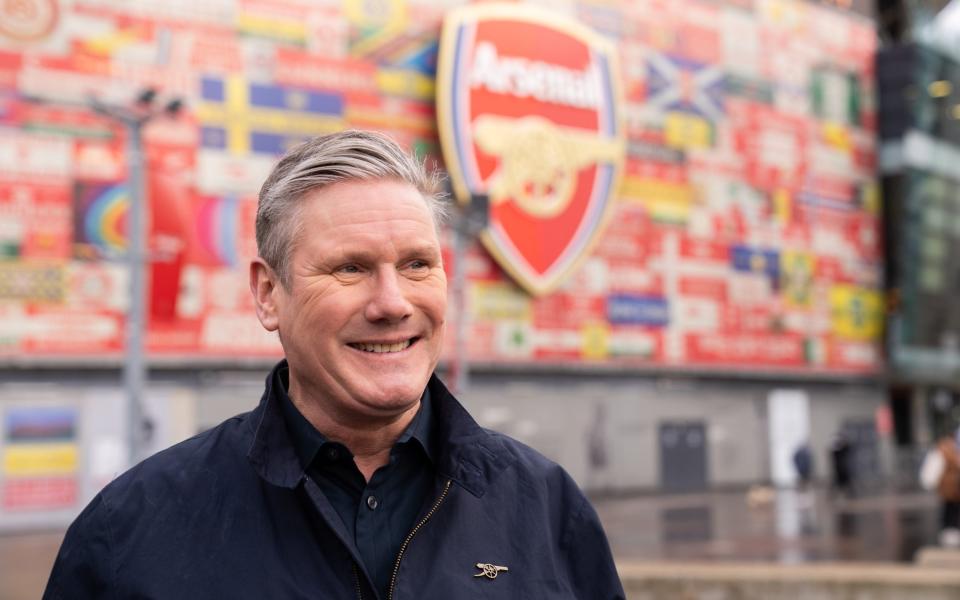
<point>134,118</point>
<point>470,219</point>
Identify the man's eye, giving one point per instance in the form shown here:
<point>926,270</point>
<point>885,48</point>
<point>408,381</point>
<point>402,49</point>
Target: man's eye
<point>349,269</point>
<point>419,264</point>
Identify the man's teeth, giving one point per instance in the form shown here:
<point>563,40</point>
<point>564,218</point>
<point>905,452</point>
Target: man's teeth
<point>381,348</point>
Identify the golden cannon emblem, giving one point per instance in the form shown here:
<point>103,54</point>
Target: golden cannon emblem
<point>489,571</point>
<point>539,160</point>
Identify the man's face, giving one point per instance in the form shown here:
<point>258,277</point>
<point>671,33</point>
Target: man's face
<point>362,321</point>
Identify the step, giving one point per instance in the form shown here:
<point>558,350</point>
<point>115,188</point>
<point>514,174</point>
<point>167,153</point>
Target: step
<point>771,581</point>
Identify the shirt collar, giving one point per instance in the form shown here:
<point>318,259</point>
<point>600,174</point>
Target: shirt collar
<point>307,441</point>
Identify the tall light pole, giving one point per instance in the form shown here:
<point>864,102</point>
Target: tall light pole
<point>134,118</point>
<point>469,220</point>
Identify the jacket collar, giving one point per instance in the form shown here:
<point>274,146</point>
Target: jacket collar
<point>467,453</point>
<point>271,451</point>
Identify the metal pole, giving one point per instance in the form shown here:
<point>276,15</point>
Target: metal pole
<point>460,367</point>
<point>134,367</point>
<point>470,220</point>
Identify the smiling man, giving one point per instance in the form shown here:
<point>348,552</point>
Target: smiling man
<point>358,475</point>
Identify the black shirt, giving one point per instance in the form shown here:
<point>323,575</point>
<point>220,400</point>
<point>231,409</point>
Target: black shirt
<point>379,514</point>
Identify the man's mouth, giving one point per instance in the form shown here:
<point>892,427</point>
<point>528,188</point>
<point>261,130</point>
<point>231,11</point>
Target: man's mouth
<point>383,348</point>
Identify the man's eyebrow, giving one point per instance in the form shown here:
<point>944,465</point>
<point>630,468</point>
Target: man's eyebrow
<point>364,255</point>
<point>420,250</point>
<point>352,255</point>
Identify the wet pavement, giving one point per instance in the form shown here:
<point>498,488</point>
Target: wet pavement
<point>770,526</point>
<point>761,525</point>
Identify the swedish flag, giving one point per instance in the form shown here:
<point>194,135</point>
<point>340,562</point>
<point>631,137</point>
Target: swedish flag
<point>243,117</point>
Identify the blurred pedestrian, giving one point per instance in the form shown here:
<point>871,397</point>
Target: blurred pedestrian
<point>803,463</point>
<point>358,475</point>
<point>806,503</point>
<point>597,455</point>
<point>948,488</point>
<point>840,455</point>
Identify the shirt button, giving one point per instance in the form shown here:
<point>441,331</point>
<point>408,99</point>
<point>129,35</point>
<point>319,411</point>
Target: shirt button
<point>372,502</point>
<point>333,454</point>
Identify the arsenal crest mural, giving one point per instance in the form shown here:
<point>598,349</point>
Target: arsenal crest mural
<point>528,108</point>
<point>670,184</point>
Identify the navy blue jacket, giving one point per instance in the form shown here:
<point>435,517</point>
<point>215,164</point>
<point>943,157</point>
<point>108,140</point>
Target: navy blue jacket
<point>230,513</point>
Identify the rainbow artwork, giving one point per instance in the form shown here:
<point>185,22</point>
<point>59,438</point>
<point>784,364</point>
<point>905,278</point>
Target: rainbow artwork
<point>216,223</point>
<point>100,218</point>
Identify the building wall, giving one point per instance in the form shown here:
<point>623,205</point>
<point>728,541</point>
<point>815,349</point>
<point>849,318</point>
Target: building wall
<point>557,414</point>
<point>48,474</point>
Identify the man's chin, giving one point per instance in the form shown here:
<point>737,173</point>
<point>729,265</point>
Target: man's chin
<point>390,397</point>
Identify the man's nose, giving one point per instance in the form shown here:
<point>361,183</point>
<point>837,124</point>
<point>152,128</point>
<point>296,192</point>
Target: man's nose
<point>388,301</point>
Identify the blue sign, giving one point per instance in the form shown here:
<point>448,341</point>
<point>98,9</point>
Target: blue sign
<point>756,260</point>
<point>40,423</point>
<point>629,309</point>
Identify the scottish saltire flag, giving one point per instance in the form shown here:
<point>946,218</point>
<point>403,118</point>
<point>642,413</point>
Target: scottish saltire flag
<point>682,85</point>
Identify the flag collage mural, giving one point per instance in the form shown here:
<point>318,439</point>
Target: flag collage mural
<point>744,234</point>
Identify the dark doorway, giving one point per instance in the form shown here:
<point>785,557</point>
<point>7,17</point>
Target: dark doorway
<point>865,454</point>
<point>901,407</point>
<point>683,456</point>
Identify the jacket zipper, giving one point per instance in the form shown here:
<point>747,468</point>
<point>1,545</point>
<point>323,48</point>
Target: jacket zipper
<point>413,532</point>
<point>356,582</point>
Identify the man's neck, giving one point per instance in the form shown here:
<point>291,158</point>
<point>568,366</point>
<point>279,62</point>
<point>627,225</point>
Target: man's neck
<point>370,441</point>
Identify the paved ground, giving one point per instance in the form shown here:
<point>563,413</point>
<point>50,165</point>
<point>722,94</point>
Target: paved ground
<point>786,527</point>
<point>25,561</point>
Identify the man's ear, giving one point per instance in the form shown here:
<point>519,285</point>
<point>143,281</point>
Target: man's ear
<point>265,287</point>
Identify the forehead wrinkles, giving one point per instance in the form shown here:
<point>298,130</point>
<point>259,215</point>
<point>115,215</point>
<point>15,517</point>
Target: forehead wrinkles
<point>357,189</point>
<point>370,224</point>
<point>375,207</point>
<point>371,216</point>
<point>351,211</point>
<point>371,231</point>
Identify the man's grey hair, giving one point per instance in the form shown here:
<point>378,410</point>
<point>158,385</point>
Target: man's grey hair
<point>350,155</point>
